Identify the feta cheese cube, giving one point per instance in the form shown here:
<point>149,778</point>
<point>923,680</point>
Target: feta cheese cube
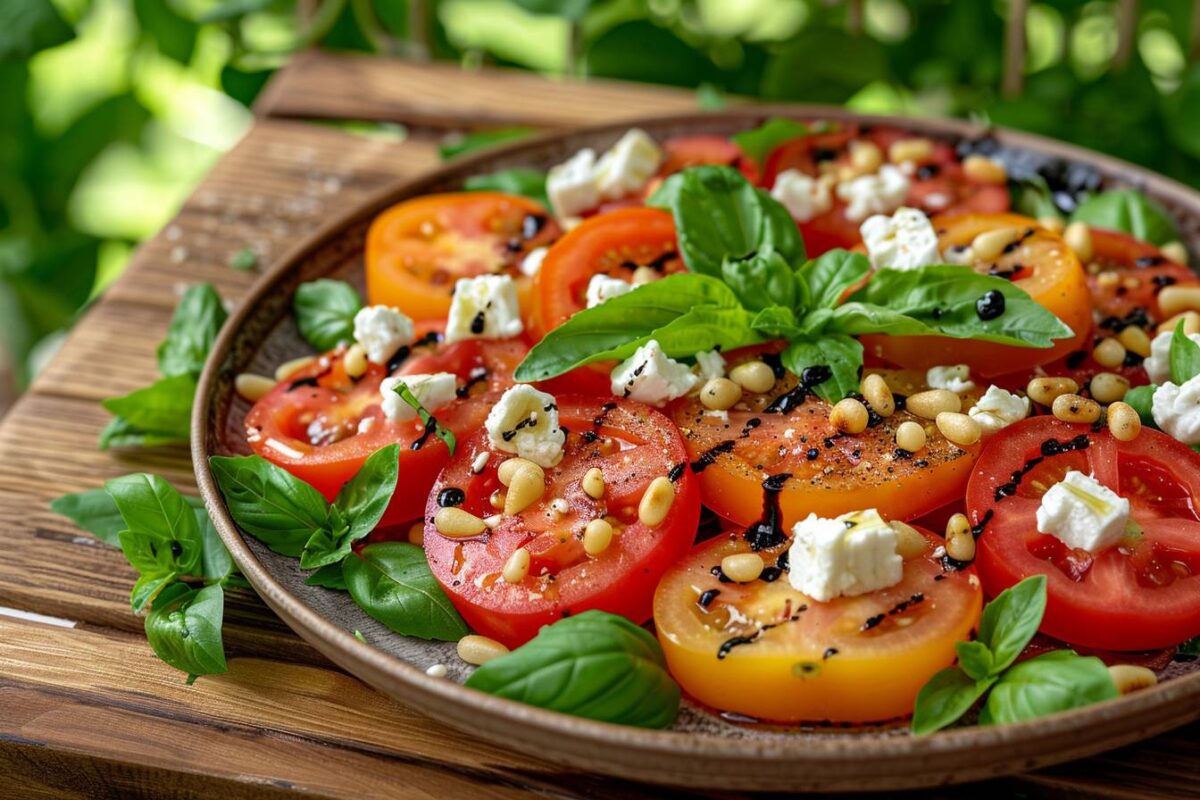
<point>851,555</point>
<point>1176,410</point>
<point>382,330</point>
<point>571,186</point>
<point>532,263</point>
<point>525,422</point>
<point>905,240</point>
<point>484,308</point>
<point>649,376</point>
<point>955,378</point>
<point>628,165</point>
<point>1158,363</point>
<point>880,193</point>
<point>710,365</point>
<point>1083,514</point>
<point>432,392</point>
<point>998,409</point>
<point>604,287</point>
<point>803,196</point>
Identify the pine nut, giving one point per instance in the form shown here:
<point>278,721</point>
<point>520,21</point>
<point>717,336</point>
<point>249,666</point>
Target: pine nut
<point>252,387</point>
<point>656,502</point>
<point>1174,299</point>
<point>1109,353</point>
<point>1190,320</point>
<point>909,541</point>
<point>456,523</point>
<point>1043,391</point>
<point>983,169</point>
<point>526,487</point>
<point>508,468</point>
<point>1108,387</point>
<point>878,395</point>
<point>849,416</point>
<point>1176,252</point>
<point>355,361</point>
<point>1123,422</point>
<point>416,534</point>
<point>960,542</point>
<point>436,670</point>
<point>753,376</point>
<point>1129,678</point>
<point>720,394</point>
<point>597,536</point>
<point>930,403</point>
<point>497,499</point>
<point>644,275</point>
<point>1073,408</point>
<point>288,367</point>
<point>1078,237</point>
<point>910,150</point>
<point>517,566</point>
<point>960,429</point>
<point>476,649</point>
<point>990,244</point>
<point>742,567</point>
<point>1052,224</point>
<point>593,483</point>
<point>865,157</point>
<point>1135,340</point>
<point>910,436</point>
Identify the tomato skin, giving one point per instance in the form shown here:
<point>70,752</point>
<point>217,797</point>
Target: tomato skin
<point>1126,274</point>
<point>681,152</point>
<point>621,579</point>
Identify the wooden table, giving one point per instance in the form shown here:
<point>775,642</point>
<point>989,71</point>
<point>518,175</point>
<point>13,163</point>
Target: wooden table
<point>85,708</point>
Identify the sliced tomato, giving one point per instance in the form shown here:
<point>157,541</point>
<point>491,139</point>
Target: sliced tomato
<point>416,250</point>
<point>1078,366</point>
<point>765,650</point>
<point>631,444</point>
<point>1141,595</point>
<point>1126,275</point>
<point>1040,263</point>
<point>681,152</point>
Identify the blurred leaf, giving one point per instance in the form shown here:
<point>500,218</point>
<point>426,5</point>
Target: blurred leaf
<point>709,97</point>
<point>174,35</point>
<point>574,10</point>
<point>1183,113</point>
<point>231,10</point>
<point>393,16</point>
<point>243,85</point>
<point>468,143</point>
<point>643,51</point>
<point>28,26</point>
<point>527,182</point>
<point>347,34</point>
<point>823,66</point>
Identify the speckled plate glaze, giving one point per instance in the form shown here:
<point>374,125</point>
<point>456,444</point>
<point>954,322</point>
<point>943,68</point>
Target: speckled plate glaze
<point>702,749</point>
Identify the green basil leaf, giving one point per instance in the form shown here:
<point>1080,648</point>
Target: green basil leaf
<point>975,659</point>
<point>325,312</point>
<point>1032,198</point>
<point>1128,211</point>
<point>1010,621</point>
<point>147,588</point>
<point>523,181</point>
<point>780,230</point>
<point>703,328</point>
<point>184,629</point>
<point>162,535</point>
<point>269,503</point>
<point>757,143</point>
<point>762,280</point>
<point>830,275</point>
<point>842,354</point>
<point>445,434</point>
<point>1142,400</point>
<point>594,665</point>
<point>356,510</point>
<point>329,543</point>
<point>94,511</point>
<point>777,322</point>
<point>330,576</point>
<point>1047,684</point>
<point>479,140</point>
<point>215,562</point>
<point>1191,647</point>
<point>391,581</point>
<point>944,698</point>
<point>1183,357</point>
<point>164,406</point>
<point>120,433</point>
<point>193,329</point>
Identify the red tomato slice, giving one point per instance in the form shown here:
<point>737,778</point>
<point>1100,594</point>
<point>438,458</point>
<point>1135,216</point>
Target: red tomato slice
<point>1141,595</point>
<point>1126,275</point>
<point>682,152</point>
<point>632,445</point>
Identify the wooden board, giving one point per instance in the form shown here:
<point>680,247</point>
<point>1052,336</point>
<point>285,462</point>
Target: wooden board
<point>88,711</point>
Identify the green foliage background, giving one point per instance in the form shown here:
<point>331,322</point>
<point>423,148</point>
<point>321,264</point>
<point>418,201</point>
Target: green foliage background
<point>111,110</point>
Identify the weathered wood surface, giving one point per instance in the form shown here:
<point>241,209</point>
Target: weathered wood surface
<point>87,711</point>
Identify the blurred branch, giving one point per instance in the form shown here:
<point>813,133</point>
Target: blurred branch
<point>1126,32</point>
<point>1014,48</point>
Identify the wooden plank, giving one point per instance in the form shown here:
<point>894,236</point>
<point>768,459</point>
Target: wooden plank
<point>314,85</point>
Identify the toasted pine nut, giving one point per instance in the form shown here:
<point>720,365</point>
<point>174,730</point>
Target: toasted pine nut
<point>436,670</point>
<point>288,367</point>
<point>498,497</point>
<point>1073,408</point>
<point>1109,353</point>
<point>1176,252</point>
<point>957,525</point>
<point>878,395</point>
<point>517,566</point>
<point>910,436</point>
<point>1123,422</point>
<point>910,150</point>
<point>1174,299</point>
<point>960,542</point>
<point>656,502</point>
<point>961,429</point>
<point>508,468</point>
<point>644,275</point>
<point>1043,391</point>
<point>526,487</point>
<point>753,376</point>
<point>593,483</point>
<point>416,533</point>
<point>252,387</point>
<point>990,244</point>
<point>1135,340</point>
<point>476,649</point>
<point>910,543</point>
<point>1078,237</point>
<point>597,536</point>
<point>1108,387</point>
<point>1129,678</point>
<point>1190,320</point>
<point>355,361</point>
<point>930,403</point>
<point>456,523</point>
<point>865,157</point>
<point>742,567</point>
<point>983,169</point>
<point>720,394</point>
<point>849,416</point>
<point>1052,224</point>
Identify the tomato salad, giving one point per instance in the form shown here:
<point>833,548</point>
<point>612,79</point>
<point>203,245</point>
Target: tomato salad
<point>815,423</point>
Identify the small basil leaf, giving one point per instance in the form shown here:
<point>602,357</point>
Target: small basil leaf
<point>975,659</point>
<point>325,312</point>
<point>1191,647</point>
<point>780,230</point>
<point>328,544</point>
<point>445,434</point>
<point>120,433</point>
<point>762,280</point>
<point>522,181</point>
<point>164,407</point>
<point>1130,212</point>
<point>269,503</point>
<point>1142,400</point>
<point>94,511</point>
<point>193,329</point>
<point>365,497</point>
<point>479,140</point>
<point>1047,684</point>
<point>944,698</point>
<point>841,354</point>
<point>1010,621</point>
<point>1032,197</point>
<point>594,665</point>
<point>1184,356</point>
<point>162,535</point>
<point>758,143</point>
<point>184,629</point>
<point>330,576</point>
<point>391,581</point>
<point>829,276</point>
<point>147,588</point>
<point>216,563</point>
<point>777,322</point>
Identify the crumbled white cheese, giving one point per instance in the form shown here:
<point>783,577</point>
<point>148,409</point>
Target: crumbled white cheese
<point>484,308</point>
<point>628,165</point>
<point>649,376</point>
<point>525,421</point>
<point>604,287</point>
<point>851,555</point>
<point>956,378</point>
<point>432,392</point>
<point>998,409</point>
<point>532,263</point>
<point>1158,363</point>
<point>905,240</point>
<point>710,364</point>
<point>571,185</point>
<point>803,196</point>
<point>1176,410</point>
<point>880,193</point>
<point>1082,513</point>
<point>382,330</point>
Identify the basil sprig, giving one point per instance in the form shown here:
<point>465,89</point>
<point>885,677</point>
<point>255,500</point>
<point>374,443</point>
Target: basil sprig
<point>758,143</point>
<point>1183,359</point>
<point>524,181</point>
<point>392,582</point>
<point>430,422</point>
<point>595,665</point>
<point>1128,211</point>
<point>1052,682</point>
<point>325,311</point>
